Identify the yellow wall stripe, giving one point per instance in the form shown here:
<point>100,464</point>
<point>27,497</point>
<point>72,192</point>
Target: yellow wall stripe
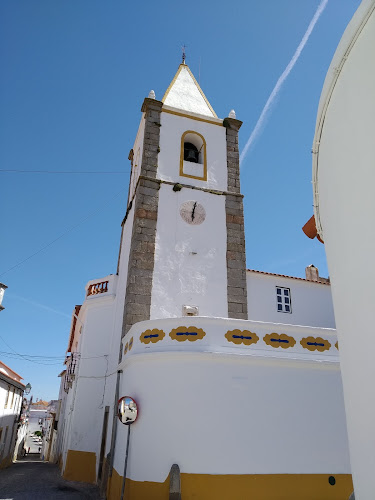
<point>239,487</point>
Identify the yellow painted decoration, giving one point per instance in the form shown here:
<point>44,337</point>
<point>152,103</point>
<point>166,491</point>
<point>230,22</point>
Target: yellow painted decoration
<point>152,336</point>
<point>238,487</point>
<point>204,177</point>
<point>315,344</point>
<point>337,345</point>
<point>279,340</point>
<point>130,343</point>
<point>241,337</point>
<point>190,333</point>
<point>80,466</point>
<point>126,348</point>
<point>192,117</point>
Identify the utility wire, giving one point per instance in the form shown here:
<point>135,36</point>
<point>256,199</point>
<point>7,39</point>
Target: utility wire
<point>41,360</point>
<point>63,234</point>
<point>17,355</point>
<point>62,171</point>
<point>63,356</point>
<point>51,358</point>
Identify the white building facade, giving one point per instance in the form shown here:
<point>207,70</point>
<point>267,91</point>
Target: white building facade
<point>235,372</point>
<point>11,398</point>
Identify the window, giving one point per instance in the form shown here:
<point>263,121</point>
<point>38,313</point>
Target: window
<point>284,302</point>
<point>193,158</point>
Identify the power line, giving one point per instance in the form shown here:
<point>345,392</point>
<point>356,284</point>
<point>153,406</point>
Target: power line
<point>32,355</point>
<point>63,234</point>
<point>41,360</point>
<point>16,355</point>
<point>62,171</point>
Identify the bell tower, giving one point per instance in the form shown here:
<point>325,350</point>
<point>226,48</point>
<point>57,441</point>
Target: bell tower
<point>185,211</point>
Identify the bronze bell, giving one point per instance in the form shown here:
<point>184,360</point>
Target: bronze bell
<point>192,156</point>
<point>191,153</point>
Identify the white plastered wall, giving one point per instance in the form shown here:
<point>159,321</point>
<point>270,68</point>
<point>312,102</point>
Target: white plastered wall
<point>346,179</point>
<point>311,302</point>
<point>190,260</point>
<point>88,391</point>
<point>118,320</point>
<point>277,416</point>
<point>8,416</point>
<point>101,320</point>
<point>171,131</point>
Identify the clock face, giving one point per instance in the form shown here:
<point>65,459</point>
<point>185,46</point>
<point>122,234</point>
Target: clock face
<point>192,212</point>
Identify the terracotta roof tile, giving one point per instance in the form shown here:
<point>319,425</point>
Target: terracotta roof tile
<point>325,282</point>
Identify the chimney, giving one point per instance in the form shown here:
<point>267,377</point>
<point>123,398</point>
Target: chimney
<point>312,273</point>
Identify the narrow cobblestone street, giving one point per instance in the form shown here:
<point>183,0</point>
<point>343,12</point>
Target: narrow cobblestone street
<point>32,479</point>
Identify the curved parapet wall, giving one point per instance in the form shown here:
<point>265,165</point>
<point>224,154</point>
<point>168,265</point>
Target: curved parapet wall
<point>244,408</point>
<point>231,337</point>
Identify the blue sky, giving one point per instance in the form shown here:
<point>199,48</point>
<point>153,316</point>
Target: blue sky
<point>74,76</point>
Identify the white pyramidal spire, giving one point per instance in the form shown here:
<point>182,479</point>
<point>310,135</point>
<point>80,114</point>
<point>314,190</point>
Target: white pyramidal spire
<point>185,93</point>
<point>232,114</point>
<point>151,95</point>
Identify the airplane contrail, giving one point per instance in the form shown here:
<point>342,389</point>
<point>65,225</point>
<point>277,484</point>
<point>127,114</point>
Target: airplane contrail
<point>37,304</point>
<point>254,134</point>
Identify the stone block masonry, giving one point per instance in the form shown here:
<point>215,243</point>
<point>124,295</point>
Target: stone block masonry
<point>142,248</point>
<point>151,142</point>
<point>236,253</point>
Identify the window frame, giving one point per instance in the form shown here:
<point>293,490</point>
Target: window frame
<point>283,303</point>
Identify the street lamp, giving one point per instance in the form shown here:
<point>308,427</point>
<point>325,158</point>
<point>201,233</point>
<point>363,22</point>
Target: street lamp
<point>27,388</point>
<point>2,290</point>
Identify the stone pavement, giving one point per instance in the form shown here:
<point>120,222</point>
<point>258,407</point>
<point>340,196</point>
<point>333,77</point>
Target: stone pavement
<point>32,479</point>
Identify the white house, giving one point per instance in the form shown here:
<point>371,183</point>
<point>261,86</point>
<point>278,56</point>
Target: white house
<point>11,397</point>
<point>235,372</point>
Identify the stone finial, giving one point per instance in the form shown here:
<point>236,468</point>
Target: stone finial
<point>151,95</point>
<point>232,114</point>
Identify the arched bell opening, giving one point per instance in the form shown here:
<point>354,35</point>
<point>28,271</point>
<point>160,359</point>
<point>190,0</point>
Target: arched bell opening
<point>193,162</point>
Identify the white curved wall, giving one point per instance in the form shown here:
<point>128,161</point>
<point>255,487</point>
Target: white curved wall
<point>214,407</point>
<point>346,180</point>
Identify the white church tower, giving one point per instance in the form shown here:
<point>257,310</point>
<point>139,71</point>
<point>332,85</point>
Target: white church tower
<point>187,254</point>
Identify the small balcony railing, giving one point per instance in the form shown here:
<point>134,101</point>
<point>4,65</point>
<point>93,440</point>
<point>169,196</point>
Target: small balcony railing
<point>97,288</point>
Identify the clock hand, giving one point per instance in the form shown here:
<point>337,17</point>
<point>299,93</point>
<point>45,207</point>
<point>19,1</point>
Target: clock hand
<point>193,212</point>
